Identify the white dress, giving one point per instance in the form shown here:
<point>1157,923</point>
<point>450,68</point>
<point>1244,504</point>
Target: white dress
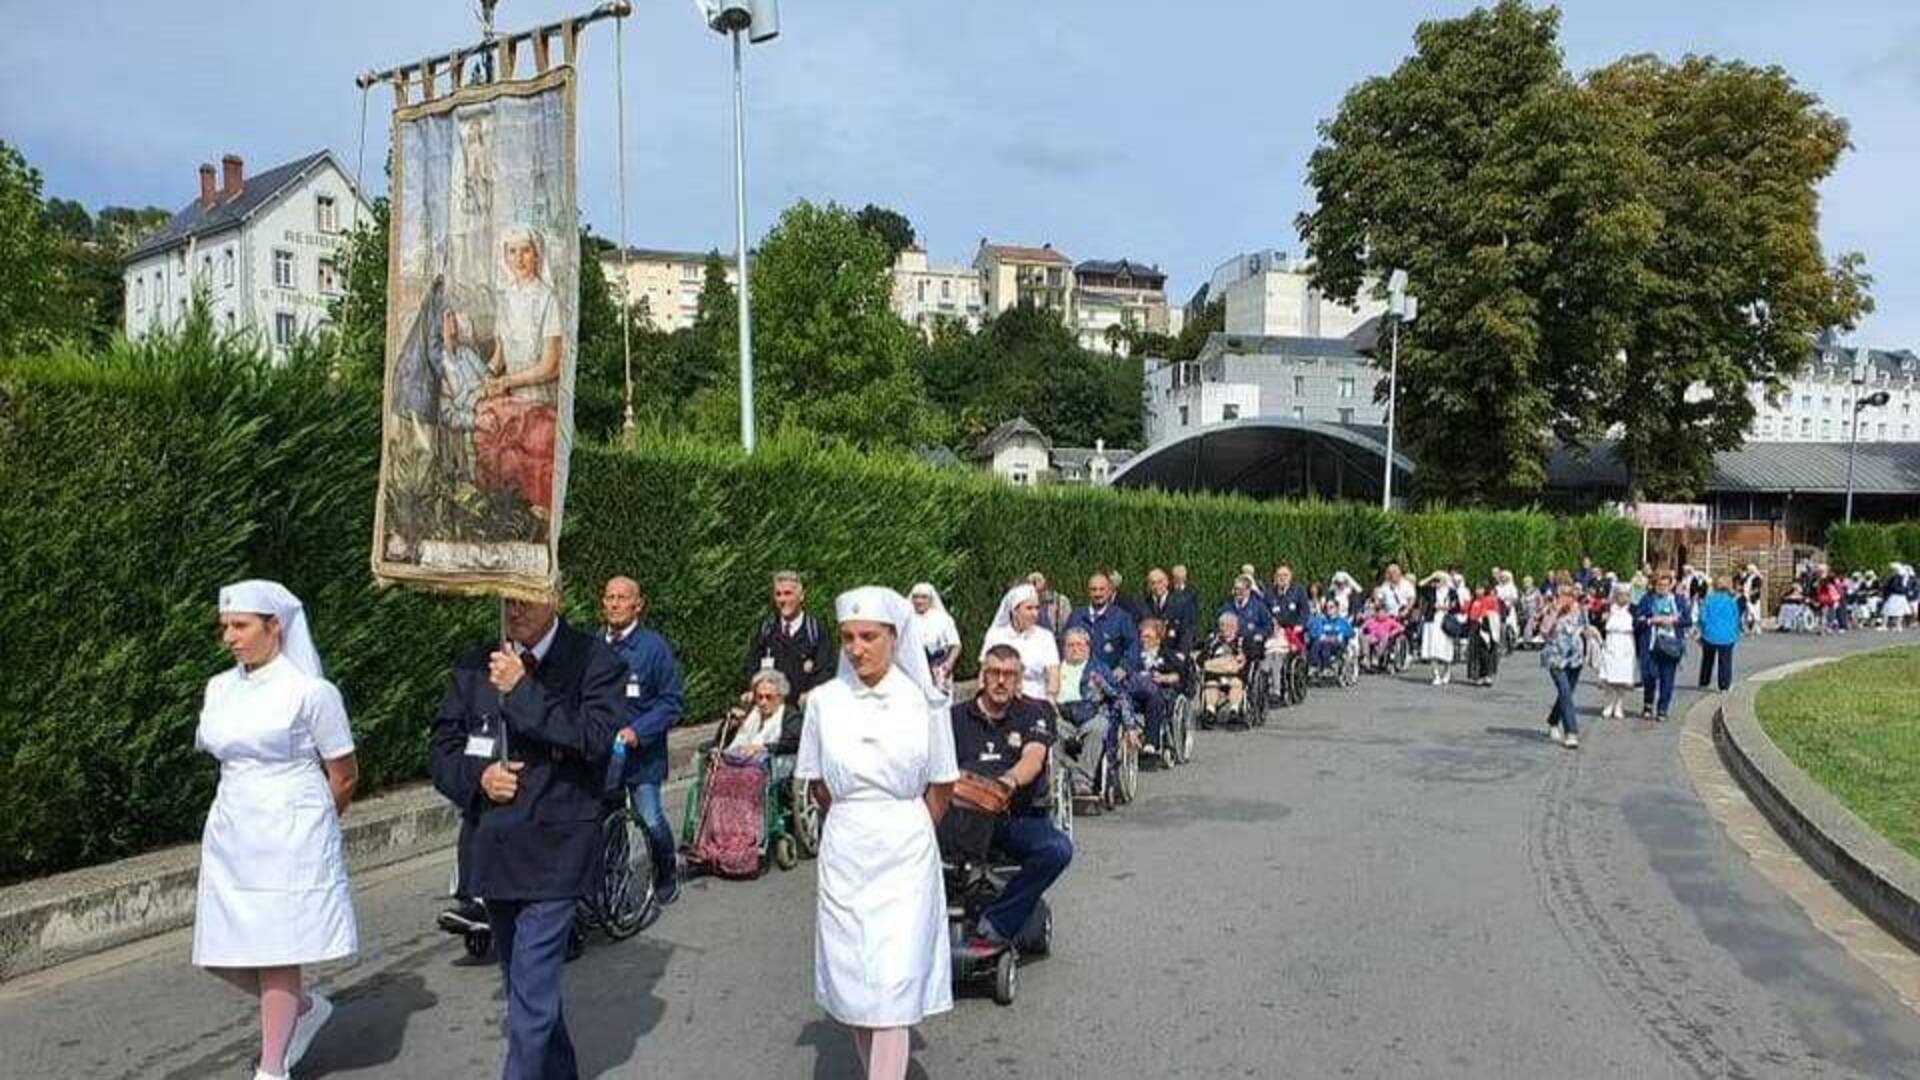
<point>1619,661</point>
<point>881,952</point>
<point>1434,642</point>
<point>1038,652</point>
<point>273,881</point>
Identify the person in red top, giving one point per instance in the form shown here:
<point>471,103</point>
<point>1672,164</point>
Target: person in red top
<point>1828,593</point>
<point>1483,636</point>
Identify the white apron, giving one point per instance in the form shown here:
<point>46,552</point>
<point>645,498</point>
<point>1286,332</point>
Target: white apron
<point>273,882</point>
<point>1619,661</point>
<point>881,951</point>
<point>1434,642</point>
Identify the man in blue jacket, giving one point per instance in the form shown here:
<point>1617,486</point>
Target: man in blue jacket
<point>654,701</point>
<point>1115,639</point>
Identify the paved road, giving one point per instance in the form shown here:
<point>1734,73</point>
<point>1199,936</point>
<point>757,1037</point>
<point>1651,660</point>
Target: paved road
<point>1393,881</point>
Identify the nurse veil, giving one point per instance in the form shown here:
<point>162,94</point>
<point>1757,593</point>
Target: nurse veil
<point>273,892</point>
<point>881,745</point>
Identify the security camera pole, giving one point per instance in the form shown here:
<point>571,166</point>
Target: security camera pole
<point>1400,308</point>
<point>758,20</point>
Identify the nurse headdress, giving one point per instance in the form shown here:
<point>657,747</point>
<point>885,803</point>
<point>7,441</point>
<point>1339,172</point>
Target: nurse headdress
<point>876,603</point>
<point>256,596</point>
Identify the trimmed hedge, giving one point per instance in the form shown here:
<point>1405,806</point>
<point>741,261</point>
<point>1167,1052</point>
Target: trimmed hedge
<point>142,480</point>
<point>1868,546</point>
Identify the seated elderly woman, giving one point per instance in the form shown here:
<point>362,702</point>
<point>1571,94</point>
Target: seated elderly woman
<point>755,730</point>
<point>1087,688</point>
<point>1224,660</point>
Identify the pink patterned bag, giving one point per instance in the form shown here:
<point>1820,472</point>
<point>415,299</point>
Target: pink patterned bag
<point>732,816</point>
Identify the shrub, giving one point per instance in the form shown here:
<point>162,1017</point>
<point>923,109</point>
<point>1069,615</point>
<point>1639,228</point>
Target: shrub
<point>144,478</point>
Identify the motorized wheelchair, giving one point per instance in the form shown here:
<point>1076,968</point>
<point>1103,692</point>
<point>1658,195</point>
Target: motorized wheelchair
<point>974,880</point>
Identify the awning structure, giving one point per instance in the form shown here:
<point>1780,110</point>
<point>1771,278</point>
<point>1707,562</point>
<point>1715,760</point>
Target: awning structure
<point>1270,458</point>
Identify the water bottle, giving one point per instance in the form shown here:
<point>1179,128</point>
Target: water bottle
<point>617,768</point>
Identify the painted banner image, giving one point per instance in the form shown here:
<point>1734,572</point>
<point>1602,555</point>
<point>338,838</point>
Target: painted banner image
<point>483,273</point>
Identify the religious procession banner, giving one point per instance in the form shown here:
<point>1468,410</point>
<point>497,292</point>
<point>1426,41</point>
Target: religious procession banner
<point>483,266</point>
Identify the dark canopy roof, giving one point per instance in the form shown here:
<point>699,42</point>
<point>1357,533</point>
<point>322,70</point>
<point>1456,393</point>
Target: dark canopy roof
<point>1270,457</point>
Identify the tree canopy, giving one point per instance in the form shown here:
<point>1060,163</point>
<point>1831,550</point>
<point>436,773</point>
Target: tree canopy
<point>890,225</point>
<point>1618,254</point>
<point>1025,362</point>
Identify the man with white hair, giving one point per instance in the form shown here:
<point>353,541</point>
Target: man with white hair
<point>792,642</point>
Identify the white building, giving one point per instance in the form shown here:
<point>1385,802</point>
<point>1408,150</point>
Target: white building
<point>268,250</point>
<point>1022,455</point>
<point>668,281</point>
<point>926,295</point>
<point>1115,296</point>
<point>1818,405</point>
<point>1238,377</point>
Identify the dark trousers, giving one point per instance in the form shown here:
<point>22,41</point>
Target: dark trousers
<point>1562,711</point>
<point>1483,657</point>
<point>531,938</point>
<point>1043,853</point>
<point>1153,701</point>
<point>1716,656</point>
<point>1657,693</point>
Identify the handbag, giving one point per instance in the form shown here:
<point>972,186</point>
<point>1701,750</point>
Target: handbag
<point>1453,625</point>
<point>1669,646</point>
<point>981,793</point>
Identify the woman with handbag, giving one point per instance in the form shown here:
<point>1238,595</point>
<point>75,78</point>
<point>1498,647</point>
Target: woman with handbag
<point>1664,618</point>
<point>1443,627</point>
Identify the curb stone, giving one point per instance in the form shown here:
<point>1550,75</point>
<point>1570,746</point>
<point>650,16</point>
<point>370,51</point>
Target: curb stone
<point>1880,879</point>
<point>67,916</point>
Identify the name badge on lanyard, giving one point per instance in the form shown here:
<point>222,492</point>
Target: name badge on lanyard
<point>633,686</point>
<point>480,746</point>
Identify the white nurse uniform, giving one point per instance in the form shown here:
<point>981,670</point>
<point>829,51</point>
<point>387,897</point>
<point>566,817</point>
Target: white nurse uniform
<point>273,881</point>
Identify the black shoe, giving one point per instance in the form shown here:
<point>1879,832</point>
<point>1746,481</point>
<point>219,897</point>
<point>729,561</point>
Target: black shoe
<point>666,892</point>
<point>464,916</point>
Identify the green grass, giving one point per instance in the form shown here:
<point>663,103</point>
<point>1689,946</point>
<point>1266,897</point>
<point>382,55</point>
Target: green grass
<point>1854,726</point>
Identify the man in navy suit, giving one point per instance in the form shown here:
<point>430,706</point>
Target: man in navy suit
<point>520,745</point>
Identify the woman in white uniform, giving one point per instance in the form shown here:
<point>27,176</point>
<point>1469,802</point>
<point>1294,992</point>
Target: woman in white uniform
<point>878,751</point>
<point>1619,661</point>
<point>273,891</point>
<point>1436,645</point>
<point>1017,623</point>
<point>939,635</point>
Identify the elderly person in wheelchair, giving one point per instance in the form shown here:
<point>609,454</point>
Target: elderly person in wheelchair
<point>756,730</point>
<point>1090,700</point>
<point>1223,662</point>
<point>1161,680</point>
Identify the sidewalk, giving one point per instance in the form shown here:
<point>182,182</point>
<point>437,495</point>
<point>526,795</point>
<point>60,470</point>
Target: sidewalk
<point>67,916</point>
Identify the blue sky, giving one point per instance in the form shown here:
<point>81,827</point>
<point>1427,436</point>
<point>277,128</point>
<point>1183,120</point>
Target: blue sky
<point>1169,132</point>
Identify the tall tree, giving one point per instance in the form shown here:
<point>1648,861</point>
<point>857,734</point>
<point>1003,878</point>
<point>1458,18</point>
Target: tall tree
<point>890,225</point>
<point>36,308</point>
<point>1023,362</point>
<point>830,356</point>
<point>1622,253</point>
<point>1735,285</point>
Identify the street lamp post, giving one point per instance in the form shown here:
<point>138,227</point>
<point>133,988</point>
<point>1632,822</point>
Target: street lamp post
<point>1874,400</point>
<point>1400,308</point>
<point>758,21</point>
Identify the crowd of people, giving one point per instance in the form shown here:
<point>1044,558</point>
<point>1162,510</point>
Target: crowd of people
<point>867,724</point>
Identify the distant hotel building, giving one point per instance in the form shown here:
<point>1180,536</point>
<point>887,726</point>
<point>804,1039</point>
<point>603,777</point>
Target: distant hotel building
<point>1817,406</point>
<point>268,250</point>
<point>668,281</point>
<point>925,295</point>
<point>1246,377</point>
<point>1118,295</point>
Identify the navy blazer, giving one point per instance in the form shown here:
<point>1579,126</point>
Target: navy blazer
<point>545,844</point>
<point>1180,615</point>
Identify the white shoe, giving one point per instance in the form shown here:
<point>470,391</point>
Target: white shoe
<point>262,1074</point>
<point>1572,743</point>
<point>306,1027</point>
<point>1557,735</point>
<point>1446,678</point>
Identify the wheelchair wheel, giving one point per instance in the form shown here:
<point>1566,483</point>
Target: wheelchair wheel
<point>1060,788</point>
<point>1179,734</point>
<point>1294,677</point>
<point>1253,707</point>
<point>626,891</point>
<point>1398,655</point>
<point>1127,773</point>
<point>785,854</point>
<point>805,821</point>
<point>1006,978</point>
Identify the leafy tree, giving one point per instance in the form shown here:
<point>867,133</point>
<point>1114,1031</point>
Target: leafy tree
<point>359,315</point>
<point>1023,362</point>
<point>123,227</point>
<point>1735,285</point>
<point>1588,254</point>
<point>1185,345</point>
<point>36,309</point>
<point>890,225</point>
<point>70,220</point>
<point>830,356</point>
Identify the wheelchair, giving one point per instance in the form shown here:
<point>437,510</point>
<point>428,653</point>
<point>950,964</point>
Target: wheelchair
<point>1226,712</point>
<point>1344,670</point>
<point>1391,658</point>
<point>624,903</point>
<point>974,880</point>
<point>789,818</point>
<point>1282,678</point>
<point>1116,776</point>
<point>1176,741</point>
